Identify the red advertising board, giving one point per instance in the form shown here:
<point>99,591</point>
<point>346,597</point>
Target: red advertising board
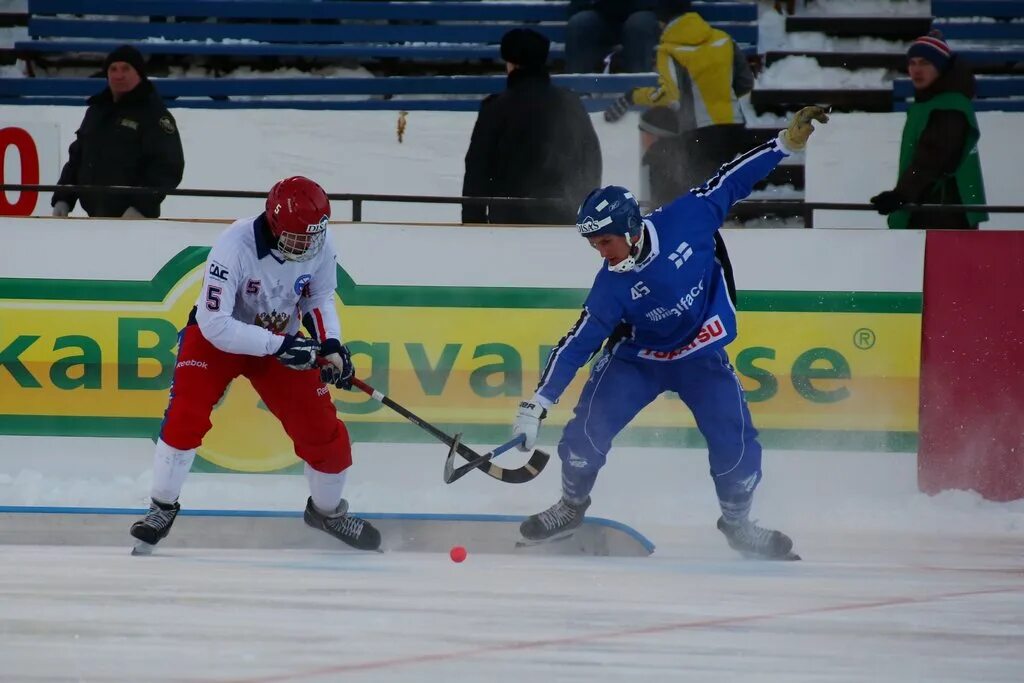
<point>972,364</point>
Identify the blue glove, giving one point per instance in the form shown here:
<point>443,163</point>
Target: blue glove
<point>298,353</point>
<point>339,370</point>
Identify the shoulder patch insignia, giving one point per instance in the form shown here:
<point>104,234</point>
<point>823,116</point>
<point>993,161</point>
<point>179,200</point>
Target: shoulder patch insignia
<point>167,125</point>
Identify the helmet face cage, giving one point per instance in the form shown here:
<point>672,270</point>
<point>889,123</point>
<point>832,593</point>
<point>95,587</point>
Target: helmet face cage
<point>302,247</point>
<point>298,211</point>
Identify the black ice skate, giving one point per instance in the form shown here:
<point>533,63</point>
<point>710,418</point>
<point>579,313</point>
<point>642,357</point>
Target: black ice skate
<point>350,529</point>
<point>753,541</point>
<point>154,526</point>
<point>555,523</point>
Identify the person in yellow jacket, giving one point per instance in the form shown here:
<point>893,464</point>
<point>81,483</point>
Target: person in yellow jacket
<point>695,123</point>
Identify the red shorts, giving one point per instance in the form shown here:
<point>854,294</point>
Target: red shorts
<point>296,397</point>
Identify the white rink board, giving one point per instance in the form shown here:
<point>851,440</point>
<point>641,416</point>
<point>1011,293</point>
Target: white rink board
<point>785,259</point>
<point>345,151</point>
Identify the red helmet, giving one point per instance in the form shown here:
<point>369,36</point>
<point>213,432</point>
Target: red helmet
<point>298,211</point>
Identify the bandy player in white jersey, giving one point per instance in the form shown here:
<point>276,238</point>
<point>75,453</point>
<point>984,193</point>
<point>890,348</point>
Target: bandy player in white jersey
<point>264,276</point>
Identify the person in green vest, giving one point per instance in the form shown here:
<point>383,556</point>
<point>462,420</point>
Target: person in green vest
<point>939,162</point>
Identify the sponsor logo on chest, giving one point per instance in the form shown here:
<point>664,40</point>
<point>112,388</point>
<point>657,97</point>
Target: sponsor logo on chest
<point>710,331</point>
<point>682,306</point>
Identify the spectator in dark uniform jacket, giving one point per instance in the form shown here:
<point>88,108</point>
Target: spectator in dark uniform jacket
<point>126,138</point>
<point>532,140</point>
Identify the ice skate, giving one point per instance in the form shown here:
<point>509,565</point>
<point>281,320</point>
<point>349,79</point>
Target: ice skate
<point>149,530</point>
<point>753,541</point>
<point>554,524</point>
<point>350,529</point>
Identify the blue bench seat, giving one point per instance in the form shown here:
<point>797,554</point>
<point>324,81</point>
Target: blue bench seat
<point>263,87</point>
<point>428,10</point>
<point>996,9</point>
<point>436,30</point>
<point>307,33</point>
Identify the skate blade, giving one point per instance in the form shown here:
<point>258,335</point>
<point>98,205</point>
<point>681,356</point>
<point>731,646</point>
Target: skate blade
<point>527,543</point>
<point>143,549</point>
<point>789,557</point>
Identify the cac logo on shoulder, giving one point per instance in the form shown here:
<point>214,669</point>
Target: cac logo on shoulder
<point>302,284</point>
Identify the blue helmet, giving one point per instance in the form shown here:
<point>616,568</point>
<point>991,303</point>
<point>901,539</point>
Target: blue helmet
<point>611,210</point>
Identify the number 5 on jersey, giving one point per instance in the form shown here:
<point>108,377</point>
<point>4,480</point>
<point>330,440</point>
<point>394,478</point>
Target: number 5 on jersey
<point>213,298</point>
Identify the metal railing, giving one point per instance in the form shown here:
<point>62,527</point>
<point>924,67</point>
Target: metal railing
<point>744,210</point>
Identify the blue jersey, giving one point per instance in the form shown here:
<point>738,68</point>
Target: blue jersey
<point>674,304</point>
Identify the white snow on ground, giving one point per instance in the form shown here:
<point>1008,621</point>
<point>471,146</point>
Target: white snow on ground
<point>644,487</point>
<point>11,34</point>
<point>894,586</point>
<point>772,36</point>
<point>912,8</point>
<point>805,72</point>
<point>777,192</point>
<point>16,70</point>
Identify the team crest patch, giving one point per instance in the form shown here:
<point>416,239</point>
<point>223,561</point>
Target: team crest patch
<point>302,284</point>
<point>273,321</point>
<point>167,125</point>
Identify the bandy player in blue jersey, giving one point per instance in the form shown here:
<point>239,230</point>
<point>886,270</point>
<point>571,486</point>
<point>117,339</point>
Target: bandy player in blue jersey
<point>661,307</point>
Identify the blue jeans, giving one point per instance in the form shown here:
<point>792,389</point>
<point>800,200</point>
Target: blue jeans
<point>590,37</point>
<point>619,388</point>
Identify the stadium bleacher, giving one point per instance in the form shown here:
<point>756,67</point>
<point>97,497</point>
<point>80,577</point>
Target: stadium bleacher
<point>429,30</point>
<point>408,44</point>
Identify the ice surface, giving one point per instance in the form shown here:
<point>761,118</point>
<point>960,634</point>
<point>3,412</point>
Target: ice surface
<point>905,607</point>
<point>894,586</point>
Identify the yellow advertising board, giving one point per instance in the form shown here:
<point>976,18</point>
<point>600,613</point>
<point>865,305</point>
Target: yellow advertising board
<point>91,357</point>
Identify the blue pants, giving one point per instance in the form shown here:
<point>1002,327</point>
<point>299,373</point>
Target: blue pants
<point>590,37</point>
<point>618,389</point>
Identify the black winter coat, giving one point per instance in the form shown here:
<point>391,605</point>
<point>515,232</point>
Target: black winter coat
<point>133,141</point>
<point>532,140</point>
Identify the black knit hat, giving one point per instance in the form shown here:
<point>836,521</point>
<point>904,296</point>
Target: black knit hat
<point>525,47</point>
<point>128,54</point>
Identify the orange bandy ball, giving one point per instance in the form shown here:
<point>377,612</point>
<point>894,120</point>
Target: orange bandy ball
<point>457,553</point>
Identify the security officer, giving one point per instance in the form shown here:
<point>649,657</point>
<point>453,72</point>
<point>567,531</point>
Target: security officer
<point>126,138</point>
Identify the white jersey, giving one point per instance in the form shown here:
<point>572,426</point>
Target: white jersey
<point>251,295</point>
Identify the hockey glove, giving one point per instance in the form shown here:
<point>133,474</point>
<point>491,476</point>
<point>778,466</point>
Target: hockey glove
<point>528,422</point>
<point>618,108</point>
<point>298,353</point>
<point>794,138</point>
<point>888,201</point>
<point>339,371</point>
<point>61,209</point>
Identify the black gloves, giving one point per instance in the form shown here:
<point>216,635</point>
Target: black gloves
<point>888,201</point>
<point>298,353</point>
<point>339,370</point>
<point>618,108</point>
